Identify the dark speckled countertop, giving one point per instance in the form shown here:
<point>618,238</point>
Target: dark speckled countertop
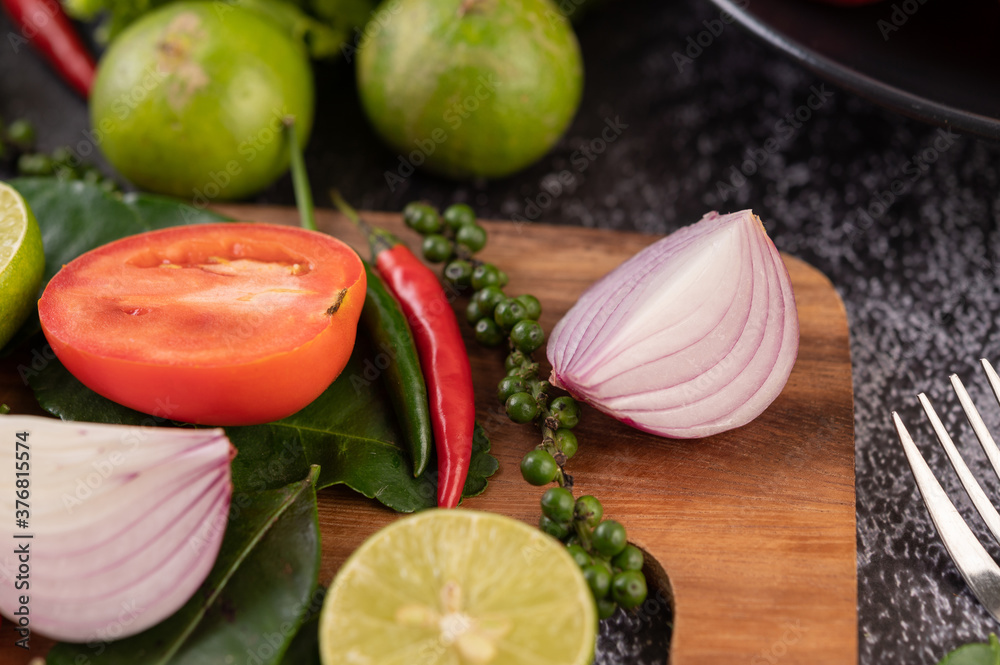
<point>919,283</point>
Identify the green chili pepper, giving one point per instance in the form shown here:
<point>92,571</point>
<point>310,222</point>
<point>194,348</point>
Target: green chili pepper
<point>389,331</point>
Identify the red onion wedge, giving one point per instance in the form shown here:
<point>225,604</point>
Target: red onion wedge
<point>121,524</point>
<point>694,335</point>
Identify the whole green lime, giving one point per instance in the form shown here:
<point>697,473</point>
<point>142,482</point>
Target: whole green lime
<point>190,101</point>
<point>469,88</point>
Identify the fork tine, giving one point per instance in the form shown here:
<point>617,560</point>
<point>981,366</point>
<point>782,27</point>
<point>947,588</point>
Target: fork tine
<point>972,413</point>
<point>978,568</point>
<point>991,375</point>
<point>975,491</point>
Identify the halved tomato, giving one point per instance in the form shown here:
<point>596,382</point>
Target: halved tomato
<point>221,324</point>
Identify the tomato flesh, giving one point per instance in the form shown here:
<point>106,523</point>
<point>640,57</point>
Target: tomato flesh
<point>221,324</point>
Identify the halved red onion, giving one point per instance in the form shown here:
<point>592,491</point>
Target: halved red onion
<point>694,335</point>
<point>122,524</point>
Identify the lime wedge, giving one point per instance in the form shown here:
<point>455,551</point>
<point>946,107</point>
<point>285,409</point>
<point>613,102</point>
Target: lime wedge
<point>22,261</point>
<point>458,587</point>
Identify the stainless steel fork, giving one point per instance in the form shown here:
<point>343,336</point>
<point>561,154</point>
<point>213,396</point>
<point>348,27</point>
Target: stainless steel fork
<point>980,571</point>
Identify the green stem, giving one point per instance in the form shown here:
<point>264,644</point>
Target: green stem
<point>583,532</point>
<point>563,479</point>
<point>346,209</point>
<point>549,438</point>
<point>378,239</point>
<point>300,178</point>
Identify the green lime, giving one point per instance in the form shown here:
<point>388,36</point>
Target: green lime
<point>22,261</point>
<point>470,88</point>
<point>190,101</point>
<point>456,586</point>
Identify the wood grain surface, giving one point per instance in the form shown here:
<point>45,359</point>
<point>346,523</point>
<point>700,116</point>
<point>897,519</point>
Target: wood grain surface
<point>755,528</point>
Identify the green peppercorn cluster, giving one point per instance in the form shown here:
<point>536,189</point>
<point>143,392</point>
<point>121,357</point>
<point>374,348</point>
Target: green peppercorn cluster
<point>17,141</point>
<point>611,566</point>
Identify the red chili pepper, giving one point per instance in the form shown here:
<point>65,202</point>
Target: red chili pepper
<point>443,357</point>
<point>444,360</point>
<point>46,26</point>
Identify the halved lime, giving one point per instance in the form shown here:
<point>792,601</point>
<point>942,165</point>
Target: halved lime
<point>458,587</point>
<point>22,261</point>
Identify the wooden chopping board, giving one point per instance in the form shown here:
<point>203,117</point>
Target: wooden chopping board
<point>754,528</point>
